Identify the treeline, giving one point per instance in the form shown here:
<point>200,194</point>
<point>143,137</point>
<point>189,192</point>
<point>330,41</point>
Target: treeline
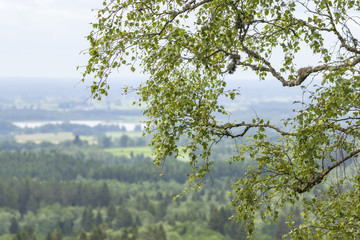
<point>7,127</point>
<point>30,195</point>
<point>77,191</point>
<point>92,163</point>
<point>123,141</point>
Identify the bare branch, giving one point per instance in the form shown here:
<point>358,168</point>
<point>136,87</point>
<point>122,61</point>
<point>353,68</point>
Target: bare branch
<point>320,176</point>
<point>341,39</point>
<point>302,73</point>
<point>224,130</point>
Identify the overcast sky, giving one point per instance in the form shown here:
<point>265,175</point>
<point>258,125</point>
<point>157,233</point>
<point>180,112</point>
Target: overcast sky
<point>43,38</point>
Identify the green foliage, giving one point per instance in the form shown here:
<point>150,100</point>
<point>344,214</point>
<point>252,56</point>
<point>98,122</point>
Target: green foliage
<point>187,47</point>
<point>87,219</point>
<point>14,227</point>
<point>25,234</point>
<point>82,235</point>
<point>97,234</point>
<point>154,233</point>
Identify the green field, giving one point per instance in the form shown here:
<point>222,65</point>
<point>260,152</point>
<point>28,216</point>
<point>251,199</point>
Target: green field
<point>146,151</point>
<point>47,137</point>
<point>131,134</point>
<point>65,136</point>
<point>51,137</point>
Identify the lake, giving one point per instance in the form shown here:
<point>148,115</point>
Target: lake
<point>90,123</point>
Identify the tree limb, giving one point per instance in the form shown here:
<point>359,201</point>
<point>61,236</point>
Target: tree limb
<point>320,176</point>
<point>224,130</point>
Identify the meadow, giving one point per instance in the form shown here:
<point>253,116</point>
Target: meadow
<point>130,151</point>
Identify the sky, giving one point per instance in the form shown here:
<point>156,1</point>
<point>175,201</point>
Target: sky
<point>42,40</point>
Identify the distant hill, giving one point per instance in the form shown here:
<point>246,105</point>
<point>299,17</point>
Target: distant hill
<point>24,99</point>
<point>39,88</point>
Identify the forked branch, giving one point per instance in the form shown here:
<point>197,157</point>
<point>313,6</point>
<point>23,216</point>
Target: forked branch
<point>224,130</point>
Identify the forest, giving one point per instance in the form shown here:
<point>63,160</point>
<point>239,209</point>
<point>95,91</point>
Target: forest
<point>75,190</point>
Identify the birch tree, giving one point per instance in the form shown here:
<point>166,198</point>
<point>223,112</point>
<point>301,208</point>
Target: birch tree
<point>188,47</point>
